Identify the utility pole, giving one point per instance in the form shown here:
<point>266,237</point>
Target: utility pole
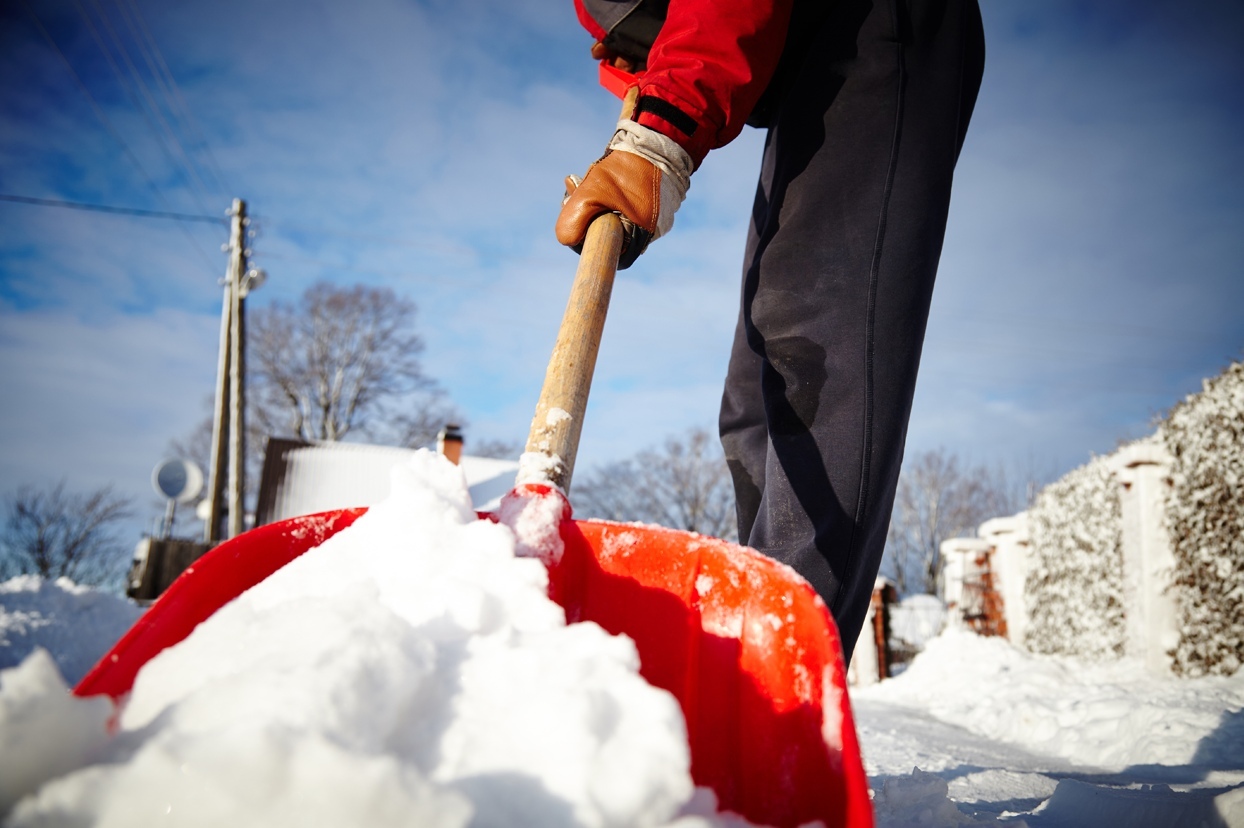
<point>229,417</point>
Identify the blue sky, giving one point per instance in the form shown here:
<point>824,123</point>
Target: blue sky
<point>1091,274</point>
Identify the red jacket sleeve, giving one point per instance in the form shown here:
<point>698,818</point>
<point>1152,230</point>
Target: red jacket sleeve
<point>712,61</point>
<point>708,67</point>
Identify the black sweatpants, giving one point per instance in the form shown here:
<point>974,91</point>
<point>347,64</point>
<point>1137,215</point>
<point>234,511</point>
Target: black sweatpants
<point>841,256</point>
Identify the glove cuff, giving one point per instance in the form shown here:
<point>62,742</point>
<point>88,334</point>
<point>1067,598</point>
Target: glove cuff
<point>661,150</point>
<point>666,155</point>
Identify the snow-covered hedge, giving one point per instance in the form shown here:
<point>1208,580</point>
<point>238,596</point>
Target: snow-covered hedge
<point>1074,586</point>
<point>1205,516</point>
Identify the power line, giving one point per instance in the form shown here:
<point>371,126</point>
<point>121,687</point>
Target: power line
<point>108,208</point>
<point>112,130</point>
<point>167,139</point>
<point>177,104</point>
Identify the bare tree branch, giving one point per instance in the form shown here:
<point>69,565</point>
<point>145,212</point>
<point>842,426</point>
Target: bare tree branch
<point>684,485</point>
<point>938,499</point>
<point>56,534</point>
<point>329,364</point>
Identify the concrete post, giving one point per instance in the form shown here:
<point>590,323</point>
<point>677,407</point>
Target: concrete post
<point>864,669</point>
<point>1143,472</point>
<point>958,562</point>
<point>1011,560</point>
<point>870,662</point>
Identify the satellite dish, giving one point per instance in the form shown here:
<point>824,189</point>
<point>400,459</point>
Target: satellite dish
<point>179,480</point>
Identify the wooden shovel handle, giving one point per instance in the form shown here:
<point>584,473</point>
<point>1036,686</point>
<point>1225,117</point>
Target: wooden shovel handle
<point>558,421</point>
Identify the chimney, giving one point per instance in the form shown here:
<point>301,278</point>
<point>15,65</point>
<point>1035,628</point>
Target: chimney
<point>449,442</point>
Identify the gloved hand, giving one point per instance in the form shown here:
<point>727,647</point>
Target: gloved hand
<point>643,176</point>
<point>627,64</point>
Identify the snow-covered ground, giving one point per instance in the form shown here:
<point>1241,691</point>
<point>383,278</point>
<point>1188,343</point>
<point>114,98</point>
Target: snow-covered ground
<point>1009,736</point>
<point>319,670</point>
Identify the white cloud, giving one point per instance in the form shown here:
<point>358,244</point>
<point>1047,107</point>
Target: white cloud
<point>98,401</point>
<point>1090,273</point>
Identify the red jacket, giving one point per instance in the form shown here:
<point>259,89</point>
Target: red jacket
<point>707,67</point>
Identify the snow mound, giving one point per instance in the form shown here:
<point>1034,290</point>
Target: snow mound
<point>75,624</point>
<point>1148,806</point>
<point>409,671</point>
<point>44,732</point>
<point>921,799</point>
<point>1113,715</point>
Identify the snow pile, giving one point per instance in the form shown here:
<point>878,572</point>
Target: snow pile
<point>76,624</point>
<point>921,799</point>
<point>1112,715</point>
<point>1074,586</point>
<point>1205,515</point>
<point>410,670</point>
<point>44,732</point>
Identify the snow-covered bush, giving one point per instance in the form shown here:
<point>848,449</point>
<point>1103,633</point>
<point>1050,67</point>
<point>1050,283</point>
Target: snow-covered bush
<point>1074,588</point>
<point>1205,516</point>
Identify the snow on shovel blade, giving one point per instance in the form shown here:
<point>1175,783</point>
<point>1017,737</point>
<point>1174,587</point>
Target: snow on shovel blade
<point>743,642</point>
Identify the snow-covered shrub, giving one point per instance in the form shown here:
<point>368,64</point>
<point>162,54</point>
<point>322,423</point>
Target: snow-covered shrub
<point>1205,516</point>
<point>1074,586</point>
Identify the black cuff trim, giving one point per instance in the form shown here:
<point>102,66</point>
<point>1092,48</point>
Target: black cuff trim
<point>666,111</point>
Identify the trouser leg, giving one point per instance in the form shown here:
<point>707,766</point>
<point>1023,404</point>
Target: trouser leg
<point>842,252</point>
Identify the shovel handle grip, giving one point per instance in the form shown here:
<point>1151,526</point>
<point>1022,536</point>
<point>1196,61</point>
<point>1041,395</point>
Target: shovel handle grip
<point>558,421</point>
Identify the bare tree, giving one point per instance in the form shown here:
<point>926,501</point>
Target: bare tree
<point>938,499</point>
<point>54,533</point>
<point>501,449</point>
<point>339,361</point>
<point>334,362</point>
<point>684,485</point>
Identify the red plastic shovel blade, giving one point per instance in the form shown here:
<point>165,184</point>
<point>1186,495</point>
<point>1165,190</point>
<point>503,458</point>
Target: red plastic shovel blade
<point>743,642</point>
<point>750,652</point>
<point>214,580</point>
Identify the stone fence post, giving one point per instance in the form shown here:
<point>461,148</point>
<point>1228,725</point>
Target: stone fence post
<point>1008,536</point>
<point>870,662</point>
<point>1142,469</point>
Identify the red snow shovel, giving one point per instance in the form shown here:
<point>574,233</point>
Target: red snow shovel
<point>743,642</point>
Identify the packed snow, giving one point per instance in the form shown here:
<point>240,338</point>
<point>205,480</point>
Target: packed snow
<point>412,671</point>
<point>76,624</point>
<point>1009,737</point>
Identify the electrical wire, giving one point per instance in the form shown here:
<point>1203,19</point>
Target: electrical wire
<point>164,135</point>
<point>177,104</point>
<point>112,130</point>
<point>108,208</point>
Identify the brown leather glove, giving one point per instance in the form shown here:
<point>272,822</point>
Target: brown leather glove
<point>643,177</point>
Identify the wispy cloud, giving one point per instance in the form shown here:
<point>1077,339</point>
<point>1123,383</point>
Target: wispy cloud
<point>1090,274</point>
